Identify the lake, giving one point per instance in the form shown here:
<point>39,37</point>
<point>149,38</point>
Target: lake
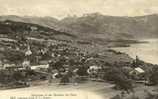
<point>147,52</point>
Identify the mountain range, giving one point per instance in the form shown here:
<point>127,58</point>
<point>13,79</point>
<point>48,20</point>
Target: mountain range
<point>98,27</point>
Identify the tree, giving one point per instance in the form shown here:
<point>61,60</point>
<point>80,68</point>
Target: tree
<point>18,76</point>
<point>65,79</point>
<point>82,71</point>
<point>153,78</point>
<point>119,78</point>
<point>14,56</point>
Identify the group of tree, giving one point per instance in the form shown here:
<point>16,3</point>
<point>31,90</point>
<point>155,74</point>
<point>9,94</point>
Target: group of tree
<point>119,78</point>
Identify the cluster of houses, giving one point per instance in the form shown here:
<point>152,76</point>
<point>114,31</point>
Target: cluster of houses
<point>59,60</point>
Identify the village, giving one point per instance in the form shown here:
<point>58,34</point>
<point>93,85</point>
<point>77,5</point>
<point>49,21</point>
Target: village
<point>48,60</point>
<point>27,61</point>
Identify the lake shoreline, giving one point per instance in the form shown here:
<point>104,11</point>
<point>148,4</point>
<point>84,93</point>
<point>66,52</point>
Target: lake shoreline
<point>125,43</point>
<point>145,49</point>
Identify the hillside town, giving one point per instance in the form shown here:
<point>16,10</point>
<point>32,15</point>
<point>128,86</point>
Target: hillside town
<point>48,60</point>
<point>28,59</point>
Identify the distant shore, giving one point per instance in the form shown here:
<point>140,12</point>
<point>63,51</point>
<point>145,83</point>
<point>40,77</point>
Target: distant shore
<point>124,43</point>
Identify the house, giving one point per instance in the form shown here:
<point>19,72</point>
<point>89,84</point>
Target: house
<point>139,70</point>
<point>138,73</point>
<point>26,63</point>
<point>8,65</point>
<point>28,52</point>
<point>33,28</point>
<point>93,70</point>
<point>39,67</point>
<point>12,67</point>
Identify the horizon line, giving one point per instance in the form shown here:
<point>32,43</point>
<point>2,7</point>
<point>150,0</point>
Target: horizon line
<point>78,16</point>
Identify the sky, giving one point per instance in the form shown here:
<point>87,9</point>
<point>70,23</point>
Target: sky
<point>63,8</point>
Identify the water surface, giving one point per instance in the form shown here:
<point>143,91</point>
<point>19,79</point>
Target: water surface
<point>145,51</point>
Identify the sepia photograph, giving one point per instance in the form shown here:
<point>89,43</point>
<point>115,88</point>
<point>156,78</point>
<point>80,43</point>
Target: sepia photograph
<point>78,49</point>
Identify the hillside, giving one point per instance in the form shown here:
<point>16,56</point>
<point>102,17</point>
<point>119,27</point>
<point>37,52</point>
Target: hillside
<point>75,43</point>
<point>44,21</point>
<point>15,37</point>
<point>12,29</point>
<point>98,28</point>
<point>110,27</point>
